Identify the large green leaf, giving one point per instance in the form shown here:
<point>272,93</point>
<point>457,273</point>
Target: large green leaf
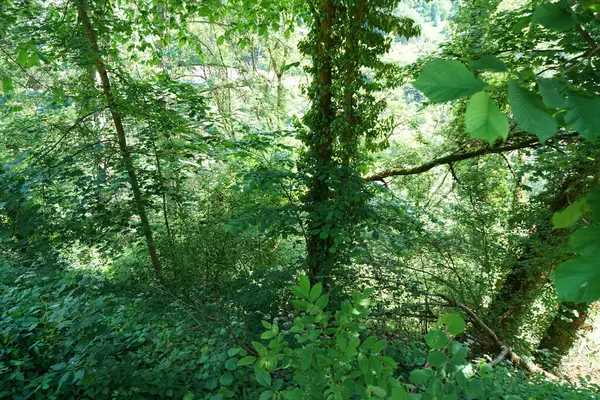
<point>567,217</point>
<point>455,324</point>
<point>443,80</point>
<point>529,112</point>
<point>399,393</point>
<point>489,63</point>
<point>7,84</point>
<point>586,241</point>
<point>578,280</point>
<point>420,376</point>
<point>436,339</point>
<point>554,16</point>
<point>551,90</point>
<point>437,359</point>
<point>484,120</point>
<point>583,114</point>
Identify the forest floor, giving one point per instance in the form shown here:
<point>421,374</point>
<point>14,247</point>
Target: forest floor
<point>80,332</point>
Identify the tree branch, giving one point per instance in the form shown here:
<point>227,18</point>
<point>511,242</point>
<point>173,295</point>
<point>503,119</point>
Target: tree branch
<point>449,159</point>
<point>506,350</point>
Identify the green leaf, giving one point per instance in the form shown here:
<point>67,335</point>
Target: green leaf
<point>316,291</point>
<point>436,339</point>
<point>226,379</point>
<point>378,391</point>
<point>476,388</point>
<point>583,115</point>
<point>443,80</point>
<point>295,394</point>
<point>220,40</point>
<point>368,343</point>
<point>264,378</point>
<point>7,84</point>
<point>578,280</point>
<point>267,335</point>
<point>528,110</point>
<point>437,359</point>
<point>551,90</point>
<point>34,60</point>
<point>457,351</point>
<point>248,360</point>
<point>322,301</point>
<point>586,241</point>
<point>455,324</point>
<point>484,120</point>
<point>489,63</point>
<point>59,366</point>
<point>379,346</point>
<point>298,292</point>
<point>304,284</point>
<point>234,350</point>
<point>267,394</point>
<point>399,393</point>
<point>571,214</point>
<point>265,324</point>
<point>554,16</point>
<point>23,57</point>
<point>231,364</point>
<point>188,396</point>
<point>212,383</point>
<point>420,376</point>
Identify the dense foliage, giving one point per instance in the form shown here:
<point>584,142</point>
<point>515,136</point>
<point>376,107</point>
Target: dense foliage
<point>332,199</point>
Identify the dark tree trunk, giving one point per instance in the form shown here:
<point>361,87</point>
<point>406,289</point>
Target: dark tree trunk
<point>564,329</point>
<point>318,248</point>
<point>540,256</point>
<point>121,138</point>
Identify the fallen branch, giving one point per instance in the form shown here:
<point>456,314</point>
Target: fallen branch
<point>506,350</point>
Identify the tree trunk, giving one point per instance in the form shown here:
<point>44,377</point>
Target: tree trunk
<point>318,247</point>
<point>125,153</point>
<point>564,329</point>
<point>523,283</point>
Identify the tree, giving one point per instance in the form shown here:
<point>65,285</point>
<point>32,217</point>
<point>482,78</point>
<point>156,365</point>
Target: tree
<point>343,120</point>
<point>121,137</point>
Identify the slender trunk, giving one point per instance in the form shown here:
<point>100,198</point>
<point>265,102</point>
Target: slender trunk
<point>125,153</point>
<point>318,247</point>
<point>163,192</point>
<point>280,93</point>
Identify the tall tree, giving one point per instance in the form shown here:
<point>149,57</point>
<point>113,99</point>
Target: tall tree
<point>345,43</point>
<point>109,94</point>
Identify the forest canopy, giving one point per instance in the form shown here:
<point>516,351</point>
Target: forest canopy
<point>285,199</point>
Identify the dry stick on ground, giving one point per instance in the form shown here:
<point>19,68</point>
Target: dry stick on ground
<point>506,350</point>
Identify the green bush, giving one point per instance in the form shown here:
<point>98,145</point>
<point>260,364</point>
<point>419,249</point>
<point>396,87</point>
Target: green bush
<point>64,336</point>
<point>75,335</point>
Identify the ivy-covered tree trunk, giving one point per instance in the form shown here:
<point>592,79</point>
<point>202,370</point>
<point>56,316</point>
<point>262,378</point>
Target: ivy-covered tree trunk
<point>564,329</point>
<point>346,40</point>
<point>320,142</point>
<point>540,256</point>
<point>88,30</point>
